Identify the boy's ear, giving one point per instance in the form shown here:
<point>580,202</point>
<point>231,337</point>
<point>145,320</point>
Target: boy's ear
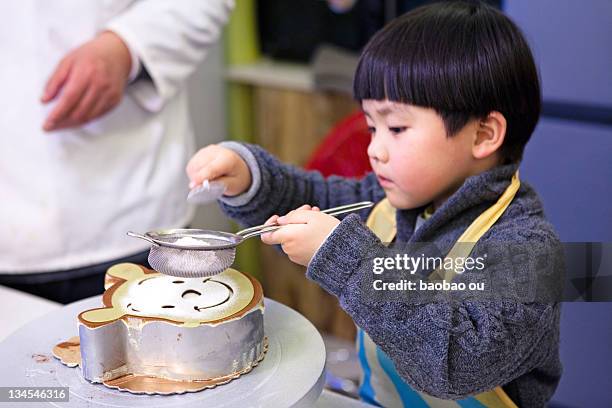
<point>490,135</point>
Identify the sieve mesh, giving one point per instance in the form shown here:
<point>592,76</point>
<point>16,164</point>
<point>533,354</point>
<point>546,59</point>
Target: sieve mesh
<point>187,263</point>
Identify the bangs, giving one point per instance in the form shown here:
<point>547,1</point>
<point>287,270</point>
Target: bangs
<point>421,60</point>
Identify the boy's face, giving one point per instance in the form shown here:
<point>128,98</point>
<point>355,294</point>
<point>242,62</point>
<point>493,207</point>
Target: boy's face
<point>416,163</point>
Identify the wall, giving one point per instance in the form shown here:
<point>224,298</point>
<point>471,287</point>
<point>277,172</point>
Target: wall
<point>569,163</point>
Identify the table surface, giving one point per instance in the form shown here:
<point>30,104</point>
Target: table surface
<point>26,308</point>
<point>23,308</point>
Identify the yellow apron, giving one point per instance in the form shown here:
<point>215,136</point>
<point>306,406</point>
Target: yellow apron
<point>381,383</point>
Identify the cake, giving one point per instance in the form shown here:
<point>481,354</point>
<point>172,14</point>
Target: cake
<point>163,334</point>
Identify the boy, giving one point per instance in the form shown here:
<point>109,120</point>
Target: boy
<point>451,96</point>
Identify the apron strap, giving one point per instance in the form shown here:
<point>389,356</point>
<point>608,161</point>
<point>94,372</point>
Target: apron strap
<point>382,221</point>
<point>466,242</point>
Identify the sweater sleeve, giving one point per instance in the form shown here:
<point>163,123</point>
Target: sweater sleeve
<point>170,39</point>
<point>282,188</point>
<point>447,349</point>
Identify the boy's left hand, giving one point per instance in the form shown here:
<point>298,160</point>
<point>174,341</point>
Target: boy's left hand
<point>303,232</point>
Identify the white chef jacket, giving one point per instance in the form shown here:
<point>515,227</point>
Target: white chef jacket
<point>68,197</point>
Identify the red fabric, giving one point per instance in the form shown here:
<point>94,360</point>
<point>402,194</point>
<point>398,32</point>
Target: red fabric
<point>343,152</point>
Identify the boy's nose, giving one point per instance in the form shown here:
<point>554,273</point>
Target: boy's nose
<point>377,151</point>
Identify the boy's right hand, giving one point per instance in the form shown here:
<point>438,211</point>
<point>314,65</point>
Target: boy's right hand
<point>220,164</point>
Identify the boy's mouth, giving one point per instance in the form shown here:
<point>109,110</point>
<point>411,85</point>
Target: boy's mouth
<point>384,182</point>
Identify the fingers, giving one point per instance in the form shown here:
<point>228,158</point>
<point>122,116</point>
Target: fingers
<point>299,216</point>
<point>57,79</point>
<point>83,109</point>
<point>302,232</point>
<point>272,220</point>
<point>104,100</point>
<point>75,87</point>
<point>100,108</point>
<point>280,236</point>
<point>213,170</point>
<point>267,238</point>
<point>219,164</point>
<point>304,207</point>
<point>199,161</point>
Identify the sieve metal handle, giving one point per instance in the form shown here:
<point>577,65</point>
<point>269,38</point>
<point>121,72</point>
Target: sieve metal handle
<point>262,229</point>
<point>348,208</point>
<point>137,235</point>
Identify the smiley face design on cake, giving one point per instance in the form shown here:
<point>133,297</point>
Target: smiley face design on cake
<point>185,301</point>
<point>180,300</point>
<point>160,334</point>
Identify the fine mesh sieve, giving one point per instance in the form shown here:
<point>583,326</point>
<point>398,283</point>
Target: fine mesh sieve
<point>194,253</point>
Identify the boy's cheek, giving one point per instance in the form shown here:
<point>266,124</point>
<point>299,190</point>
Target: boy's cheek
<point>400,200</point>
<point>410,196</point>
<point>416,186</point>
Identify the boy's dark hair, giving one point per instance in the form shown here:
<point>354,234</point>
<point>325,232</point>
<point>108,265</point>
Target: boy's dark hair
<point>464,60</point>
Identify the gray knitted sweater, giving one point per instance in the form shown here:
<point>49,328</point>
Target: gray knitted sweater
<point>447,350</point>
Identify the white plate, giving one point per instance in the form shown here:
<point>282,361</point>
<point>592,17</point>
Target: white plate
<point>291,374</point>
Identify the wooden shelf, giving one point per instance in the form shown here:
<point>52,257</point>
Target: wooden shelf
<point>273,74</point>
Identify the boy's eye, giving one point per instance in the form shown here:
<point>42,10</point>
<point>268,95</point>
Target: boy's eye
<point>371,129</point>
<point>397,130</point>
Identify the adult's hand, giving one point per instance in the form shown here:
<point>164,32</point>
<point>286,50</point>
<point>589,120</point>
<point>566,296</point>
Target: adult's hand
<point>88,82</point>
